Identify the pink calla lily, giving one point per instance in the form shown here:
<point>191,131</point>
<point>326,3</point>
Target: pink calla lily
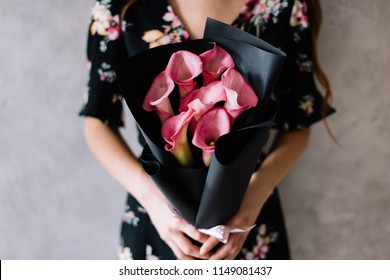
<point>183,67</point>
<point>215,62</point>
<point>157,97</point>
<point>203,99</point>
<point>174,132</point>
<point>209,128</point>
<point>240,95</point>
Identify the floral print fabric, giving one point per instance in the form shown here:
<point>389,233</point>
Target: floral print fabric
<point>151,23</point>
<point>173,31</point>
<point>140,240</point>
<point>259,13</point>
<point>104,24</point>
<point>105,49</point>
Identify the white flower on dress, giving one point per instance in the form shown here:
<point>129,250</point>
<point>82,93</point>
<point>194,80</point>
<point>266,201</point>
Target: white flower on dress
<point>129,217</point>
<point>149,255</point>
<point>299,16</point>
<point>106,74</point>
<point>105,24</point>
<point>260,12</point>
<point>124,253</point>
<point>261,248</point>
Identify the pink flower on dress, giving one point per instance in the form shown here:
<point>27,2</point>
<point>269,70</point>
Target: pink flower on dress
<point>149,253</point>
<point>299,16</point>
<point>256,9</point>
<point>307,104</point>
<point>171,17</point>
<point>89,65</point>
<point>104,23</point>
<point>113,29</point>
<point>259,251</point>
<point>173,31</point>
<point>261,248</point>
<point>260,12</point>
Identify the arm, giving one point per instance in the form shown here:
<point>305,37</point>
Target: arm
<point>110,149</point>
<point>107,145</point>
<point>287,151</point>
<point>103,105</point>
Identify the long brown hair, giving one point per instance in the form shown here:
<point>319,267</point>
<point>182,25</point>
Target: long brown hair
<point>315,19</point>
<point>126,7</point>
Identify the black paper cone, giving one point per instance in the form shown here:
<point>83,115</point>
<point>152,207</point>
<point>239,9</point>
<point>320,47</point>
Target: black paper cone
<point>206,197</point>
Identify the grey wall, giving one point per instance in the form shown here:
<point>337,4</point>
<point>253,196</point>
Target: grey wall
<point>56,202</point>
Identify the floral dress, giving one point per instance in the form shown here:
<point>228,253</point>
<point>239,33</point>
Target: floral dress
<point>151,23</point>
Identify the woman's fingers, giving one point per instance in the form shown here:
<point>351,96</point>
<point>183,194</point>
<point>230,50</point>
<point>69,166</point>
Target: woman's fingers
<point>188,248</point>
<point>221,253</point>
<point>177,233</point>
<point>231,249</point>
<point>208,245</point>
<point>180,245</point>
<point>192,232</point>
<point>179,253</point>
<point>178,238</point>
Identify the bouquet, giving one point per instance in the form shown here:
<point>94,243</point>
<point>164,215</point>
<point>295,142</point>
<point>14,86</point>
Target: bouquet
<point>204,110</point>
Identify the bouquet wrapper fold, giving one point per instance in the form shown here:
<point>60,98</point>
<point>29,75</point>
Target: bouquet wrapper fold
<point>206,197</point>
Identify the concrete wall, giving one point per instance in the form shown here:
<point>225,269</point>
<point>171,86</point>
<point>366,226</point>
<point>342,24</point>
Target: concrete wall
<point>56,202</point>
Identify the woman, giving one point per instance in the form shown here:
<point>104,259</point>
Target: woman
<point>122,28</point>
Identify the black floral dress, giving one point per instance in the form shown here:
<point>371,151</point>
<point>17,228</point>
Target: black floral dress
<point>151,23</point>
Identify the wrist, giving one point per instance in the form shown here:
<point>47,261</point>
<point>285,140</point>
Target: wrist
<point>144,189</point>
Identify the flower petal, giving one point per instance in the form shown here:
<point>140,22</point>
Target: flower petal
<point>174,132</point>
<point>157,98</point>
<point>215,61</point>
<point>183,67</point>
<point>240,95</point>
<point>209,128</point>
<point>208,96</point>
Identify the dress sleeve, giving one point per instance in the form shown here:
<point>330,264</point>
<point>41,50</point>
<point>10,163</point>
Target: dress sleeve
<point>299,100</point>
<point>105,49</point>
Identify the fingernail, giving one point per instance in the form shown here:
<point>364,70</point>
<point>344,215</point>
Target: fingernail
<point>202,251</point>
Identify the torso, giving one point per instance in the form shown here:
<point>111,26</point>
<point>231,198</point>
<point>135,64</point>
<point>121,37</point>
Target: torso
<point>193,14</point>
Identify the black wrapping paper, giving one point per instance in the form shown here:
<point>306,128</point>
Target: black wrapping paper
<point>206,197</point>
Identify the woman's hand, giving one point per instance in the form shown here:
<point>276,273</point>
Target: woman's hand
<point>176,232</point>
<point>254,199</point>
<point>287,150</point>
<point>111,150</point>
<point>232,248</point>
